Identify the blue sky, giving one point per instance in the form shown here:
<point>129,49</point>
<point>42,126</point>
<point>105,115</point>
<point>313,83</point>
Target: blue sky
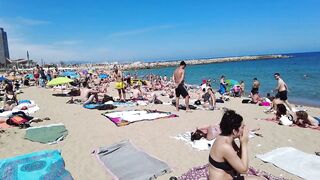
<point>123,30</point>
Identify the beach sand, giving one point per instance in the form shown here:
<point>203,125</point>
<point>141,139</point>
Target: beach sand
<point>88,129</point>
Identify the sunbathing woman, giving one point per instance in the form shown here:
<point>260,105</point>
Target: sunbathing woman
<point>227,160</point>
<point>10,101</point>
<point>300,118</point>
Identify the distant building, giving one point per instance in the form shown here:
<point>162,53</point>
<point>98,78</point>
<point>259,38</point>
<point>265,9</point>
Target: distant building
<point>4,49</point>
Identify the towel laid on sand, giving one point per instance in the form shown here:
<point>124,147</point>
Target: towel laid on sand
<point>124,161</point>
<point>304,165</point>
<point>49,134</point>
<point>202,172</point>
<point>122,104</point>
<point>122,118</point>
<point>38,165</point>
<point>200,145</point>
<point>31,108</point>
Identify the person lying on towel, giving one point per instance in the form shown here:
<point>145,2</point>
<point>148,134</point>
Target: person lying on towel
<point>300,118</point>
<point>226,159</point>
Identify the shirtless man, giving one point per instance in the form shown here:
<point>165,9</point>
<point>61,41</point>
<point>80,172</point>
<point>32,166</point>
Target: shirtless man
<point>180,88</point>
<point>282,89</point>
<point>88,94</point>
<point>120,86</point>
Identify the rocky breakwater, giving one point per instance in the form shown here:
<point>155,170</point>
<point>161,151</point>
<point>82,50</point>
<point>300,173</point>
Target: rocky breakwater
<point>152,65</point>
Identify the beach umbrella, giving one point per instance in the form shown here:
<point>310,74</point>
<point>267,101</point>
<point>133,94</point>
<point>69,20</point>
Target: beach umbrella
<point>103,76</point>
<point>59,81</point>
<point>85,72</point>
<point>71,74</point>
<point>231,83</point>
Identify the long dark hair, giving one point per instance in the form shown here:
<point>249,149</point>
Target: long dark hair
<point>230,121</point>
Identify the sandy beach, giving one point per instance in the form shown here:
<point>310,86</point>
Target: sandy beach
<point>88,129</point>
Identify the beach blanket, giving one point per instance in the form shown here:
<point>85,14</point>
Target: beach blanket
<point>49,134</point>
<point>202,172</point>
<point>306,166</point>
<point>38,165</point>
<point>126,162</point>
<point>200,145</point>
<point>122,118</point>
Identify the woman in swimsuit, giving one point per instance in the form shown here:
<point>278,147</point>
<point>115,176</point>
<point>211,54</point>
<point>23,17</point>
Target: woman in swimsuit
<point>227,160</point>
<point>300,118</point>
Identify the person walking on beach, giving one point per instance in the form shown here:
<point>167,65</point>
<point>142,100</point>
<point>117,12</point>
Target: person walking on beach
<point>120,85</point>
<point>282,90</point>
<point>180,88</point>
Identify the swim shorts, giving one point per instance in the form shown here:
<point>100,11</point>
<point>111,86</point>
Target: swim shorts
<point>282,95</point>
<point>181,90</point>
<point>255,91</point>
<point>120,85</point>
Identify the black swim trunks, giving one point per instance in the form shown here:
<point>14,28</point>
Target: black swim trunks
<point>255,91</point>
<point>181,90</point>
<point>282,95</point>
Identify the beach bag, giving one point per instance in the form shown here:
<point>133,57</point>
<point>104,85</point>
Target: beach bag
<point>284,120</point>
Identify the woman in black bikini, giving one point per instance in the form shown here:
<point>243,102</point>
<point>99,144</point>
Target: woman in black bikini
<point>227,160</point>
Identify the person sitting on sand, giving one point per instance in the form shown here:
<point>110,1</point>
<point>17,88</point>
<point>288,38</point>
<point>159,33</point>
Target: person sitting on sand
<point>226,159</point>
<point>88,95</point>
<point>10,101</point>
<point>208,95</point>
<point>137,93</point>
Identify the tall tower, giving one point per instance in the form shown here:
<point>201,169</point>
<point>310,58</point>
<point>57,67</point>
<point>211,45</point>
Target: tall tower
<point>4,49</point>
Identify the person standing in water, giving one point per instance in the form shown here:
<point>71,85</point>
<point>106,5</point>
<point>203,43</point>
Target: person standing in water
<point>282,90</point>
<point>180,88</point>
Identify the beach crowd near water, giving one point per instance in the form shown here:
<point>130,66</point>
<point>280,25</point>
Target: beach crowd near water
<point>222,118</point>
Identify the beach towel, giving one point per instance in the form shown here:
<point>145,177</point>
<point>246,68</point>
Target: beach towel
<point>122,104</point>
<point>126,162</point>
<point>202,172</point>
<point>24,101</point>
<point>304,165</point>
<point>49,134</point>
<point>122,118</point>
<point>200,145</point>
<point>38,165</point>
<point>30,109</point>
<point>92,105</point>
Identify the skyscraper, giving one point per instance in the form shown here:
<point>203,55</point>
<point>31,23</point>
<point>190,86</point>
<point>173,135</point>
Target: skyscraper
<point>4,49</point>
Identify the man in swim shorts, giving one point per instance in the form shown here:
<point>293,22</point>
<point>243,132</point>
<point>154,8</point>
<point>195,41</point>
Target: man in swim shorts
<point>282,89</point>
<point>120,85</point>
<point>180,88</point>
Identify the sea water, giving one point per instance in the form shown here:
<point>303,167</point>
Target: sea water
<point>301,72</point>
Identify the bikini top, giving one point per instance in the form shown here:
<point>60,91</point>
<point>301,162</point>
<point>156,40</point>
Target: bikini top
<point>221,165</point>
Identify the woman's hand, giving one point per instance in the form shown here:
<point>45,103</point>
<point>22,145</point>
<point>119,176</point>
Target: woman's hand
<point>244,138</point>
